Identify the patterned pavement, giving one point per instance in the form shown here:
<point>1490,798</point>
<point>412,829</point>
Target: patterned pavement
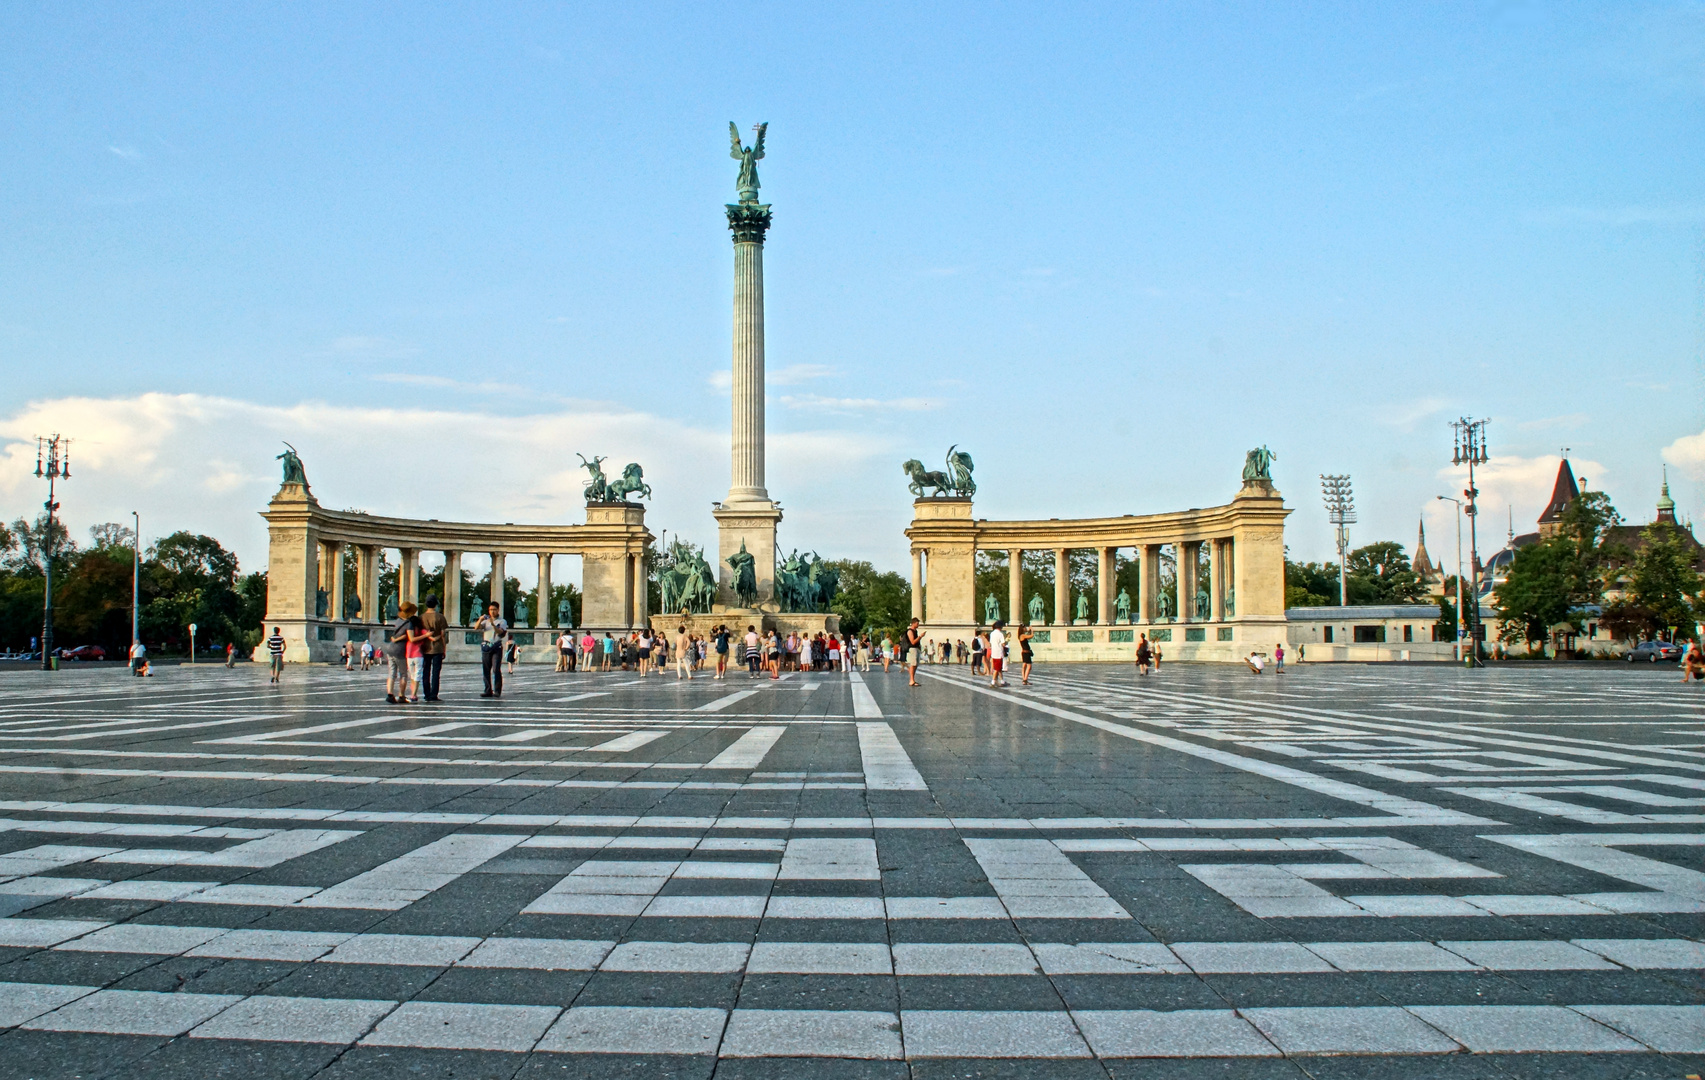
<point>1339,872</point>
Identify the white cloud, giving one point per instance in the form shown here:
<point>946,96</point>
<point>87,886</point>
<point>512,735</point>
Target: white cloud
<point>721,380</point>
<point>1404,415</point>
<point>128,153</point>
<point>440,382</point>
<point>849,406</point>
<point>795,374</point>
<point>1511,488</point>
<point>1688,454</point>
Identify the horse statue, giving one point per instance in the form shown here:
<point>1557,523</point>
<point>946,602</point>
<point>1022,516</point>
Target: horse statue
<point>631,482</point>
<point>745,578</point>
<point>825,583</point>
<point>596,488</point>
<point>922,478</point>
<point>960,466</point>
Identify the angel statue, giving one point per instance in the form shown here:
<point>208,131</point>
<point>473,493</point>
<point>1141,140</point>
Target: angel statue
<point>748,157</point>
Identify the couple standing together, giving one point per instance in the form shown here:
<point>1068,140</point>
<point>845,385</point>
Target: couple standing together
<point>416,653</point>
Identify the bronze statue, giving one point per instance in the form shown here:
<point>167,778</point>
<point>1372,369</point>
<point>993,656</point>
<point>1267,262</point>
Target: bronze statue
<point>631,482</point>
<point>922,478</point>
<point>1258,465</point>
<point>293,471</point>
<point>748,157</point>
<point>959,465</point>
<point>1122,607</point>
<point>745,576</point>
<point>598,487</point>
<point>991,609</point>
<point>1037,608</point>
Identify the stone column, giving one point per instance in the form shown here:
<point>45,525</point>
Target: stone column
<point>408,575</point>
<point>334,606</point>
<point>1104,586</point>
<point>749,222</point>
<point>641,599</point>
<point>1216,580</point>
<point>1148,572</point>
<point>1186,556</point>
<point>452,597</point>
<point>544,619</point>
<point>918,584</point>
<point>1015,588</point>
<point>1062,586</point>
<point>496,592</point>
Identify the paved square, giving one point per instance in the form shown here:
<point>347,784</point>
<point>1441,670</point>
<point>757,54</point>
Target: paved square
<point>602,875</point>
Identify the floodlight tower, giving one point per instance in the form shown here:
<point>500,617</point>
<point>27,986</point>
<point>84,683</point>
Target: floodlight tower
<point>53,461</point>
<point>1470,450</point>
<point>1341,512</point>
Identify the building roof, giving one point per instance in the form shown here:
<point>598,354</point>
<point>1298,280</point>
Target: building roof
<point>1563,493</point>
<point>1333,613</point>
<point>1422,564</point>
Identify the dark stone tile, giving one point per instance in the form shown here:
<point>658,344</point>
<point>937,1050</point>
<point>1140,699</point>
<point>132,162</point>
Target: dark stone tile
<point>377,981</point>
<point>75,968</point>
<point>1137,992</point>
<point>860,992</point>
<point>661,990</point>
<point>618,1067</point>
<point>1014,992</point>
<point>220,1058</point>
<point>408,1063</point>
<point>56,1055</point>
<point>207,975</point>
<point>506,986</point>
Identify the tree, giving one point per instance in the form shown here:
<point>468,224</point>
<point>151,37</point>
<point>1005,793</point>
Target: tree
<point>193,580</point>
<point>1539,592</point>
<point>1379,573</point>
<point>1663,588</point>
<point>1310,584</point>
<point>869,599</point>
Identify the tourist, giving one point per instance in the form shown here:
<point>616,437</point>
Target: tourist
<point>564,646</point>
<point>659,652</point>
<point>348,655</point>
<point>1693,663</point>
<point>754,651</point>
<point>1145,654</point>
<point>977,652</point>
<point>1279,658</point>
<point>1157,658</point>
<point>1025,657</point>
<point>887,651</point>
<point>833,649</point>
<point>432,650</point>
<point>864,652</point>
<point>398,653</point>
<point>772,647</point>
<point>588,652</point>
<point>1255,662</point>
<point>275,649</point>
<point>138,656</point>
<point>720,636</point>
<point>512,653</point>
<point>910,649</point>
<point>644,652</point>
<point>606,652</point>
<point>997,653</point>
<point>230,654</point>
<point>493,632</point>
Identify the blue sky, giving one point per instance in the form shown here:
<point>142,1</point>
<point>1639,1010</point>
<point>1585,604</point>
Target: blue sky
<point>1106,248</point>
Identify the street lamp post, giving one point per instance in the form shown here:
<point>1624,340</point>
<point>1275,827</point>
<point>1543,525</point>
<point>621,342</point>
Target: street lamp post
<point>1470,450</point>
<point>192,643</point>
<point>1341,512</point>
<point>135,586</point>
<point>53,460</point>
<point>1459,615</point>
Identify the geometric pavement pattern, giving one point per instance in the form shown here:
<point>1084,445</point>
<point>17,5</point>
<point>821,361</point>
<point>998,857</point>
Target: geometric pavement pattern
<point>1342,871</point>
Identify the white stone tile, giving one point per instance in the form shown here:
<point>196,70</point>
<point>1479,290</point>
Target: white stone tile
<point>1177,1033</point>
<point>26,1001</point>
<point>1668,1029</point>
<point>255,895</point>
<point>632,1030</point>
<point>819,958</point>
<point>830,859</point>
<point>605,885</point>
<point>1063,907</point>
<point>41,933</point>
<point>51,886</point>
<point>975,1034</point>
<point>727,907</point>
<point>134,1012</point>
<point>1349,1030</point>
<point>295,1019</point>
<point>152,856</point>
<point>945,907</point>
<point>414,950</point>
<point>1533,904</point>
<point>1109,958</point>
<point>677,956</point>
<point>811,1033</point>
<point>1388,956</point>
<point>741,843</point>
<point>1522,1029</point>
<point>1248,957</point>
<point>626,868</point>
<point>538,954</point>
<point>1417,905</point>
<point>1648,954</point>
<point>1529,955</point>
<point>574,904</point>
<point>964,959</point>
<point>448,1026</point>
<point>707,868</point>
<point>826,907</point>
<point>302,945</point>
<point>162,891</point>
<point>44,857</point>
<point>142,938</point>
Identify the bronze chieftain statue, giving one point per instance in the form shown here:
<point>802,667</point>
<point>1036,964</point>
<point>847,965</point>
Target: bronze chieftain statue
<point>745,576</point>
<point>1258,464</point>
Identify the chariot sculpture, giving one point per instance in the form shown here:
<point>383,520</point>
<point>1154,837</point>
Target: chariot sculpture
<point>955,481</point>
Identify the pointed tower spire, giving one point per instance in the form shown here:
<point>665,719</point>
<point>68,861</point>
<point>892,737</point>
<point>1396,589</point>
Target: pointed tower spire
<point>1422,564</point>
<point>1666,505</point>
<point>1563,492</point>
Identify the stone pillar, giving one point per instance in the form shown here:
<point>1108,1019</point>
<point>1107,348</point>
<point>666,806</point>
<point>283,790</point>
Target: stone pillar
<point>1104,586</point>
<point>452,597</point>
<point>641,598</point>
<point>367,582</point>
<point>544,608</point>
<point>1186,555</point>
<point>749,222</point>
<point>1015,588</point>
<point>918,584</point>
<point>408,575</point>
<point>1216,580</point>
<point>1062,586</point>
<point>1148,574</point>
<point>334,605</point>
<point>496,592</point>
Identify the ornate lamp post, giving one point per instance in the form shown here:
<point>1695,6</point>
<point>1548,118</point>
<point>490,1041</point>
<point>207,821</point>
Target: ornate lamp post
<point>53,460</point>
<point>135,586</point>
<point>1470,450</point>
<point>1341,512</point>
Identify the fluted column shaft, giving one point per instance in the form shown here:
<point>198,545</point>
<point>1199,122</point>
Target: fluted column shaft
<point>1062,586</point>
<point>1015,587</point>
<point>543,619</point>
<point>917,584</point>
<point>747,470</point>
<point>452,597</point>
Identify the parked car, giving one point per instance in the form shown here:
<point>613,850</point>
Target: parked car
<point>1653,651</point>
<point>84,652</point>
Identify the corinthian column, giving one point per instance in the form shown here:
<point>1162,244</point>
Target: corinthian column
<point>749,222</point>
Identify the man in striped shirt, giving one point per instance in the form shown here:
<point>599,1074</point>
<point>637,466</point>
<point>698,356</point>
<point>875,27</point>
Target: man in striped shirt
<point>275,646</point>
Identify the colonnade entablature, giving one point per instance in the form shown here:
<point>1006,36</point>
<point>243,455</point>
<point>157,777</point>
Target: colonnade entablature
<point>306,589</point>
<point>1217,572</point>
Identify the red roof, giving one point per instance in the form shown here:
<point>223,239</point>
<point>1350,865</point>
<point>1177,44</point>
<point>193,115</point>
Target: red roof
<point>1562,493</point>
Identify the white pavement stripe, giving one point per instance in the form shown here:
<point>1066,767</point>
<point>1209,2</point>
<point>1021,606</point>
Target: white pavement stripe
<point>134,1012</point>
<point>864,702</point>
<point>635,1030</point>
<point>1035,880</point>
<point>21,1002</point>
<point>966,1033</point>
<point>1514,1029</point>
<point>407,878</point>
<point>830,859</point>
<point>280,847</point>
<point>622,743</point>
<point>448,1026</point>
<point>749,750</point>
<point>722,703</point>
<point>887,766</point>
<point>1181,1033</point>
<point>812,1033</point>
<point>295,1020</point>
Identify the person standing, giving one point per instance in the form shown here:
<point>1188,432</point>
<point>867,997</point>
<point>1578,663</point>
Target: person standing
<point>913,648</point>
<point>1145,654</point>
<point>564,646</point>
<point>683,655</point>
<point>275,649</point>
<point>433,648</point>
<point>230,654</point>
<point>721,637</point>
<point>513,651</point>
<point>1279,658</point>
<point>494,632</point>
<point>1025,657</point>
<point>609,652</point>
<point>997,653</point>
<point>348,656</point>
<point>753,647</point>
<point>772,646</point>
<point>977,652</point>
<point>887,651</point>
<point>588,652</point>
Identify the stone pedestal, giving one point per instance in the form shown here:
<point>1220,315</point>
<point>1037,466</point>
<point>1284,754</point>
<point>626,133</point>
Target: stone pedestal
<point>754,524</point>
<point>944,531</point>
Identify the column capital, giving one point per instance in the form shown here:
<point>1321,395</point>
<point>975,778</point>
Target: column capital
<point>749,221</point>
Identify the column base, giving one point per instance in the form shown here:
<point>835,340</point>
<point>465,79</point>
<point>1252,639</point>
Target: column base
<point>754,525</point>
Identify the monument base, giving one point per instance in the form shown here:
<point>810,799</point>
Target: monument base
<point>752,525</point>
<point>738,619</point>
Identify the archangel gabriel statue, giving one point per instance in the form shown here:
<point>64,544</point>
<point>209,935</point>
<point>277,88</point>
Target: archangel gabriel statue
<point>748,157</point>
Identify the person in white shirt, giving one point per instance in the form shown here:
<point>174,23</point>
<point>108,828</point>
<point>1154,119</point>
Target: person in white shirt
<point>564,648</point>
<point>1256,662</point>
<point>753,652</point>
<point>684,654</point>
<point>997,653</point>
